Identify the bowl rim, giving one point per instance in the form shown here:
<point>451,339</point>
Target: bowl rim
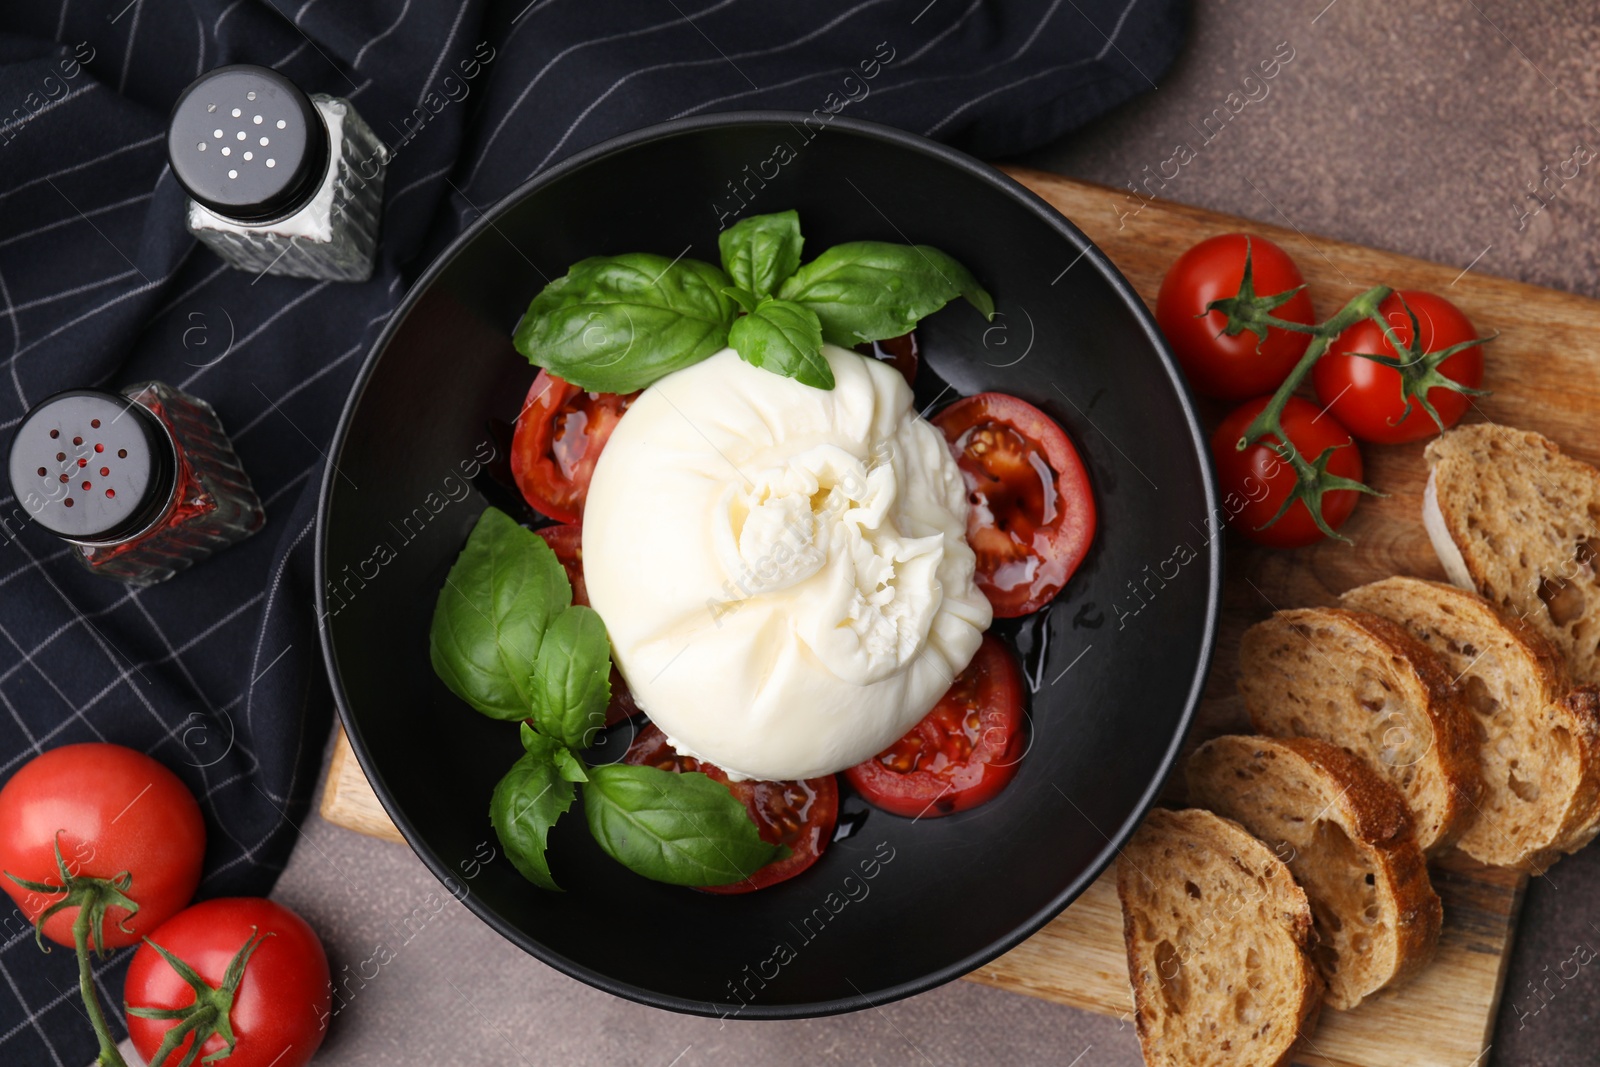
<point>1047,215</point>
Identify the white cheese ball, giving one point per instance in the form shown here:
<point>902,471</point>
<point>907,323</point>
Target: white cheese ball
<point>783,570</point>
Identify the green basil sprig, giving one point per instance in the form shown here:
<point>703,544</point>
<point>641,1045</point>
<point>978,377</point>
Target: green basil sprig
<point>785,338</point>
<point>616,324</point>
<point>507,639</point>
<point>530,798</point>
<point>492,613</point>
<point>672,827</point>
<point>613,324</point>
<point>869,290</point>
<point>760,252</point>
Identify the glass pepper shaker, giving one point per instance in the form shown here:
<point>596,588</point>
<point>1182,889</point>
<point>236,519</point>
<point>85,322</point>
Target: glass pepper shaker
<point>279,182</point>
<point>141,484</point>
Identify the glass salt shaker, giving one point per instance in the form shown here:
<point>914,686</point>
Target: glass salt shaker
<point>279,182</point>
<point>141,484</point>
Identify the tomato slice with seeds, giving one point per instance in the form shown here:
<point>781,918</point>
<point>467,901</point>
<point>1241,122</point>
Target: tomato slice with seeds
<point>798,814</point>
<point>962,753</point>
<point>566,541</point>
<point>1032,512</point>
<point>560,434</point>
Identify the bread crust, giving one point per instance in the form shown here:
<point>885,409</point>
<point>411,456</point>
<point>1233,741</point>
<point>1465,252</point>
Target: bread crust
<point>1187,829</point>
<point>1453,750</point>
<point>1458,619</point>
<point>1581,708</point>
<point>1461,462</point>
<point>1373,814</point>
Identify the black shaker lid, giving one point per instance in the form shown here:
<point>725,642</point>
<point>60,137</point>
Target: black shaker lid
<point>247,143</point>
<point>92,466</point>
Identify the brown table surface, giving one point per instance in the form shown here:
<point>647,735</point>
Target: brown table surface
<point>1414,127</point>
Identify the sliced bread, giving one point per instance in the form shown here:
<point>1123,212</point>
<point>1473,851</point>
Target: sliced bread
<point>1217,934</point>
<point>1346,835</point>
<point>1367,685</point>
<point>1538,740</point>
<point>1513,518</point>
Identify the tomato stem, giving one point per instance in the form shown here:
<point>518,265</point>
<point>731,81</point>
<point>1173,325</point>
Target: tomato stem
<point>1247,310</point>
<point>1419,369</point>
<point>92,897</point>
<point>109,1056</point>
<point>1312,479</point>
<point>1364,306</point>
<point>210,1015</point>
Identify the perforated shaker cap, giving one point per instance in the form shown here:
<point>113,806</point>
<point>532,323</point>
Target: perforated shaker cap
<point>92,466</point>
<point>247,143</point>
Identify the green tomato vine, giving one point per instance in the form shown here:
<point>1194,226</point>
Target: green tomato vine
<point>1418,369</point>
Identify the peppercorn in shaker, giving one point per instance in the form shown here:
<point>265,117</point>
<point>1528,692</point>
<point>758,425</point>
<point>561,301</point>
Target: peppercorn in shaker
<point>141,484</point>
<point>279,182</point>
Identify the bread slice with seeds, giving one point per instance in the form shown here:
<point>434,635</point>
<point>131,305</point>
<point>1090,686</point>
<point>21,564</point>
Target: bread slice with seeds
<point>1513,518</point>
<point>1217,934</point>
<point>1367,685</point>
<point>1345,833</point>
<point>1538,739</point>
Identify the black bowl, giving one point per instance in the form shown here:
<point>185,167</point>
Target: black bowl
<point>895,906</point>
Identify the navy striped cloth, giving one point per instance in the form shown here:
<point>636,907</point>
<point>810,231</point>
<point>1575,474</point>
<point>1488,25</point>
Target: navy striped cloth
<point>217,673</point>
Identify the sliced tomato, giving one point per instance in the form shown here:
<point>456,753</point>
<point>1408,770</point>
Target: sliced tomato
<point>798,814</point>
<point>566,541</point>
<point>962,753</point>
<point>903,351</point>
<point>1032,512</point>
<point>560,434</point>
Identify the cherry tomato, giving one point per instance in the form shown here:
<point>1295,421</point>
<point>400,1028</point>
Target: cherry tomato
<point>567,543</point>
<point>1032,512</point>
<point>962,753</point>
<point>111,809</point>
<point>281,1004</point>
<point>560,434</point>
<point>1244,365</point>
<point>1366,396</point>
<point>903,351</point>
<point>798,814</point>
<point>1255,483</point>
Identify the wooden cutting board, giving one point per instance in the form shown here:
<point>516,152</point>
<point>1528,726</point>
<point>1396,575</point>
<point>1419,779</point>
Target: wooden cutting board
<point>1543,371</point>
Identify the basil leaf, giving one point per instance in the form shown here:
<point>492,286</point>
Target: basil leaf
<point>490,618</point>
<point>783,338</point>
<point>760,252</point>
<point>685,829</point>
<point>570,766</point>
<point>527,803</point>
<point>746,300</point>
<point>870,290</point>
<point>572,682</point>
<point>617,323</point>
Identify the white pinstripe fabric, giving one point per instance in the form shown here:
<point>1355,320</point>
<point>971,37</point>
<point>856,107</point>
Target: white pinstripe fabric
<point>100,158</point>
<point>778,50</point>
<point>76,216</point>
<point>483,150</point>
<point>450,39</point>
<point>405,8</point>
<point>127,55</point>
<point>74,94</point>
<point>900,65</point>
